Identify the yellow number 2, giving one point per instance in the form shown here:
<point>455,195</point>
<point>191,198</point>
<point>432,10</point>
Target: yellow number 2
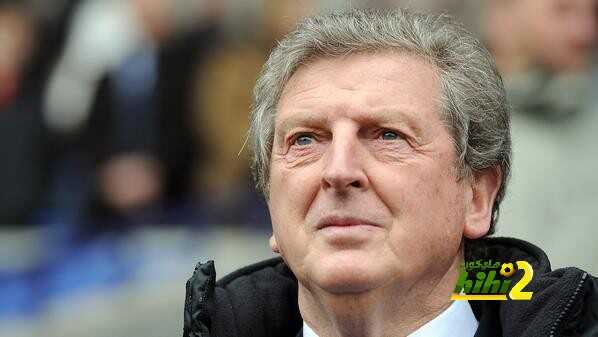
<point>528,273</point>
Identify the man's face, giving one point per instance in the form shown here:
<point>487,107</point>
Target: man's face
<point>363,186</point>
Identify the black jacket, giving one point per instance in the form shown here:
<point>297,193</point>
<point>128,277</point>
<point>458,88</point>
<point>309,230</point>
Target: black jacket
<point>261,299</point>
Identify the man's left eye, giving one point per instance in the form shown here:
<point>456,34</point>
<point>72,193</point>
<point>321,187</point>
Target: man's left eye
<point>303,140</point>
<point>389,135</point>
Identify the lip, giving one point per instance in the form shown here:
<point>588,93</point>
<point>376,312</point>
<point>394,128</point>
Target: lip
<point>341,221</point>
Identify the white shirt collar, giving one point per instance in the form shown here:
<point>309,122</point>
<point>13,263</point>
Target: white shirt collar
<point>456,320</point>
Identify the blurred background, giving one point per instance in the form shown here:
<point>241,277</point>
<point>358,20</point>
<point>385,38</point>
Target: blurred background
<point>122,124</point>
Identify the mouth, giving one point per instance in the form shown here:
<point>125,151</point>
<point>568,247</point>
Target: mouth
<point>340,222</point>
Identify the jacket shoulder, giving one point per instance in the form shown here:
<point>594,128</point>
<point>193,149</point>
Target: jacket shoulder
<point>256,300</point>
<point>564,301</point>
<point>580,315</point>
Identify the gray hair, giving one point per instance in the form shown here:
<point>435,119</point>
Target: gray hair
<point>474,105</point>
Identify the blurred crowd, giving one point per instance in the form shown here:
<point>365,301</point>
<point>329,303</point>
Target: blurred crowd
<point>122,115</point>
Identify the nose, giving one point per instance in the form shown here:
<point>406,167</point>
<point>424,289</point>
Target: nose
<point>344,166</point>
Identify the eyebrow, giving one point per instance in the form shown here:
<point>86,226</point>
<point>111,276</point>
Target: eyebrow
<point>400,117</point>
<point>314,119</point>
<point>301,119</point>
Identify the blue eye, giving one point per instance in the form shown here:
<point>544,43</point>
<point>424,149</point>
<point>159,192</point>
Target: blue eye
<point>389,135</point>
<point>303,140</point>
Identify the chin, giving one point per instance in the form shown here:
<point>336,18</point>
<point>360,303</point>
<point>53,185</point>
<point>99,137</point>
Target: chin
<point>347,272</point>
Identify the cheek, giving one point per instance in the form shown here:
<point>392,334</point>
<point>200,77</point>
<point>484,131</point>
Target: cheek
<point>290,191</point>
<point>428,207</point>
<point>291,194</point>
<point>416,189</point>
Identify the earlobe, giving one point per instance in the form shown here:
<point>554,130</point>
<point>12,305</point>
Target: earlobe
<point>274,244</point>
<point>484,188</point>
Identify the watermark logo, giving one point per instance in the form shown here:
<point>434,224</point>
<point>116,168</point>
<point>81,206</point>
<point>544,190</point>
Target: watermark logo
<point>488,280</point>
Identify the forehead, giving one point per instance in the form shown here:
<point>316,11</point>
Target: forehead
<point>364,84</point>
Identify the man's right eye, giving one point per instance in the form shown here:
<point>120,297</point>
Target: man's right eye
<point>303,140</point>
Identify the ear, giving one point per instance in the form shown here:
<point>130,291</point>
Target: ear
<point>274,245</point>
<point>483,188</point>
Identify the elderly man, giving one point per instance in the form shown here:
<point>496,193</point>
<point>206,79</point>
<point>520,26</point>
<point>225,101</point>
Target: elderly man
<point>382,147</point>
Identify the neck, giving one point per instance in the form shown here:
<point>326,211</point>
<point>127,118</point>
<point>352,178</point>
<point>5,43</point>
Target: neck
<point>393,310</point>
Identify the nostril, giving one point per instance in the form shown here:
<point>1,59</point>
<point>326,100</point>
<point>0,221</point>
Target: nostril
<point>356,183</point>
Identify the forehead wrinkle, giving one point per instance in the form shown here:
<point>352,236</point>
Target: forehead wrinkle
<point>291,93</point>
<point>305,73</point>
